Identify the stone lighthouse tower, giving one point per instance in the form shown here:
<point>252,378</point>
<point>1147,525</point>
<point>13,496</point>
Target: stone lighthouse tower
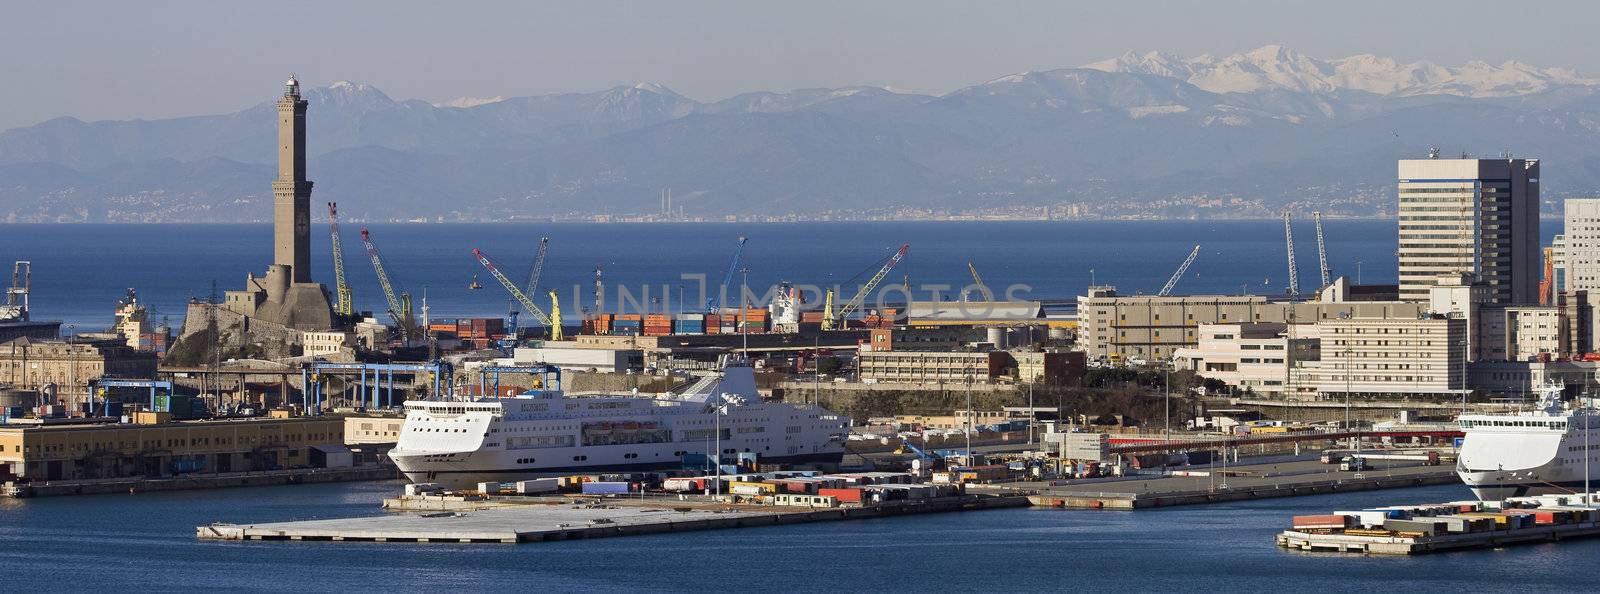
<point>285,297</point>
<point>291,192</point>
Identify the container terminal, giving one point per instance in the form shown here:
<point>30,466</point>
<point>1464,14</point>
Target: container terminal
<point>1428,528</point>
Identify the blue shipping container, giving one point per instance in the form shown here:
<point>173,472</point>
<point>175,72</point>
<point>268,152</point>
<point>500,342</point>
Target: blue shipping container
<point>605,488</point>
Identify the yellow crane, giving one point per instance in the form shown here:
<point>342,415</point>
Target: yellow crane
<point>516,292</point>
<point>830,319</point>
<point>343,305</point>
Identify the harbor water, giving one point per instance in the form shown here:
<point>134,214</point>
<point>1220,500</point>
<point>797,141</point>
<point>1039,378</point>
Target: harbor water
<point>80,271</point>
<point>146,542</point>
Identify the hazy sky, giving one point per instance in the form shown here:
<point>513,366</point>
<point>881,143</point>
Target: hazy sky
<point>150,59</point>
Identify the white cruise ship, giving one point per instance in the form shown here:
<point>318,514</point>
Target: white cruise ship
<point>546,433</point>
<point>1531,453</point>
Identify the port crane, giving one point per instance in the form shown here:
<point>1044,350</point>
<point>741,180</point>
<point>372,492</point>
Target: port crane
<point>1322,251</point>
<point>830,319</point>
<point>977,281</point>
<point>527,302</point>
<point>1177,274</point>
<point>925,462</point>
<point>399,303</point>
<point>342,305</point>
<point>733,266</point>
<point>1294,269</point>
<point>531,287</point>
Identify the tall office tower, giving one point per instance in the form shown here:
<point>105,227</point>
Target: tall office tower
<point>1474,216</point>
<point>1580,245</point>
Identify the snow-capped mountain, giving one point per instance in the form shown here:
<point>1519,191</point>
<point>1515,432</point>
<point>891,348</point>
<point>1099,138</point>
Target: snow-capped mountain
<point>1275,67</point>
<point>465,102</point>
<point>1139,135</point>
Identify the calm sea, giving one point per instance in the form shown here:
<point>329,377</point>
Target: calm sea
<point>80,271</point>
<point>146,542</point>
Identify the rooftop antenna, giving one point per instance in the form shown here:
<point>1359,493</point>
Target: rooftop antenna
<point>1433,152</point>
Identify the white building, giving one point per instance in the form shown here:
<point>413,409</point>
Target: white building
<point>1580,253</point>
<point>569,356</point>
<point>1474,216</point>
<point>1368,357</point>
<point>1253,357</point>
<point>328,344</point>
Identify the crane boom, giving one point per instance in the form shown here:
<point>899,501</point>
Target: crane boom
<point>1177,274</point>
<point>977,281</point>
<point>532,286</point>
<point>861,295</point>
<point>1294,269</point>
<point>343,304</point>
<point>399,308</point>
<point>1322,250</point>
<point>527,303</point>
<point>733,266</point>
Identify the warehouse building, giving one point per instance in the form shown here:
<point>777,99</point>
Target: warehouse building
<point>48,450</point>
<point>1121,328</point>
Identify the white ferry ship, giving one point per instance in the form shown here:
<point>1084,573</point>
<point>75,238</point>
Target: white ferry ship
<point>546,433</point>
<point>1532,453</point>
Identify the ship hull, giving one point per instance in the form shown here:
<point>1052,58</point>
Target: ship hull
<point>465,477</point>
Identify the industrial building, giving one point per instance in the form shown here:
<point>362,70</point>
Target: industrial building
<point>975,313</point>
<point>1152,327</point>
<point>48,450</point>
<point>1474,216</point>
<point>63,367</point>
<point>932,366</point>
<point>571,356</point>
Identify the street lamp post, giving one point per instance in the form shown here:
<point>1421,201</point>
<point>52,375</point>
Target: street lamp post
<point>744,288</point>
<point>1166,405</point>
<point>969,419</point>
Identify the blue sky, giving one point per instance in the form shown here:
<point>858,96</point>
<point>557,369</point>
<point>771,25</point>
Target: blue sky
<point>118,59</point>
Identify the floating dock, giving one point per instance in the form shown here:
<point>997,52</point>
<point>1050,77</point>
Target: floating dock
<point>575,520</point>
<point>1244,482</point>
<point>1419,529</point>
<point>1415,545</point>
<point>200,481</point>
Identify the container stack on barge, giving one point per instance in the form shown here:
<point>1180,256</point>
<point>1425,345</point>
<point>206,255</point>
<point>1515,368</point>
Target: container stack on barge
<point>1416,529</point>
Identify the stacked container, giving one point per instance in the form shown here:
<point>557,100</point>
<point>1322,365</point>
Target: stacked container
<point>689,324</point>
<point>627,325</point>
<point>657,325</point>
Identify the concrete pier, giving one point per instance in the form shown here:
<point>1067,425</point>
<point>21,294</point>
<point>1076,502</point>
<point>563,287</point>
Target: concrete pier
<point>1416,545</point>
<point>605,518</point>
<point>199,481</point>
<point>1244,482</point>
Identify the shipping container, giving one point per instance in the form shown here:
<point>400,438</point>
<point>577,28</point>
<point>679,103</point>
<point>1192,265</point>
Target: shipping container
<point>605,488</point>
<point>416,489</point>
<point>543,485</point>
<point>1320,522</point>
<point>1428,527</point>
<point>752,488</point>
<point>848,494</point>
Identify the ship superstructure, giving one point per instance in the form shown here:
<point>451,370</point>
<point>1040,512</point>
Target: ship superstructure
<point>548,433</point>
<point>1548,450</point>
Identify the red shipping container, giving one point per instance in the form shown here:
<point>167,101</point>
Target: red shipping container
<point>1328,521</point>
<point>852,495</point>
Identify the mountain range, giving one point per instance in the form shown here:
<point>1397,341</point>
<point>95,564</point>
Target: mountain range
<point>1141,135</point>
